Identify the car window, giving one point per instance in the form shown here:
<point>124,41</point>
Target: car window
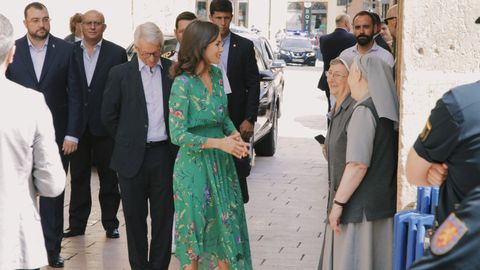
<point>296,43</point>
<point>260,63</point>
<point>268,50</point>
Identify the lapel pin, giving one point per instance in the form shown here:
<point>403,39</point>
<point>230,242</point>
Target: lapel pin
<point>53,45</point>
<point>234,45</point>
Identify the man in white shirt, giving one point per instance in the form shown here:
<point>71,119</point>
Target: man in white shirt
<point>95,57</point>
<point>45,63</point>
<point>29,165</point>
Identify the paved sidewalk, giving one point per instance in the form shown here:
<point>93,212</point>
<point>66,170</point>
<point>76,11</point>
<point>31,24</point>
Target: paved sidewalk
<point>287,195</point>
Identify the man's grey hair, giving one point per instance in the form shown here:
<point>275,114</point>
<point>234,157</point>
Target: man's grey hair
<point>149,32</point>
<point>341,19</point>
<point>6,37</point>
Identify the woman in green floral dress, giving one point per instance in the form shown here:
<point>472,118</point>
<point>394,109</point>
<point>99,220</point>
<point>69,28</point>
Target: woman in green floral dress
<point>210,226</point>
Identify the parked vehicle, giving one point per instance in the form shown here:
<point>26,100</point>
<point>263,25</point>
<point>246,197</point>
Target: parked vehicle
<point>170,42</point>
<point>271,92</point>
<point>297,50</point>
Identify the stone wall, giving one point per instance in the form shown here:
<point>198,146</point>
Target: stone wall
<point>439,49</point>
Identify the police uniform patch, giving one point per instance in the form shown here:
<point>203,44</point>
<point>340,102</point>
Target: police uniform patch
<point>448,235</point>
<point>426,131</point>
<point>168,54</point>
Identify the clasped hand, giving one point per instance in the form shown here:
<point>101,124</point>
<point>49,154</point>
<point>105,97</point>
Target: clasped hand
<point>69,147</point>
<point>334,218</point>
<point>234,145</point>
<point>246,130</point>
<point>437,174</point>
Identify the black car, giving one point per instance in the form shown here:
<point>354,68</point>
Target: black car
<point>271,94</point>
<point>271,91</point>
<point>297,50</point>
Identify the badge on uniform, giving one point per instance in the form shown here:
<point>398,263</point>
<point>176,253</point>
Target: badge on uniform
<point>448,235</point>
<point>168,54</point>
<point>426,131</point>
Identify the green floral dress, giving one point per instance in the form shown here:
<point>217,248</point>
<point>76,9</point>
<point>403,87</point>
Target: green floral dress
<point>210,218</point>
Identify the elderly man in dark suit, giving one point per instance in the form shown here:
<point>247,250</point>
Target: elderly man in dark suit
<point>135,113</point>
<point>238,58</point>
<point>45,63</point>
<point>95,56</point>
<point>331,46</point>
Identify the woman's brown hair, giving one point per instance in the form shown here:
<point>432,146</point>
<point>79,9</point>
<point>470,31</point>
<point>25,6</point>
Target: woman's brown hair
<point>196,38</point>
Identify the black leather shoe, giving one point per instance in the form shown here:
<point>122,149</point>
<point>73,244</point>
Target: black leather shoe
<point>113,233</point>
<point>71,233</point>
<point>55,261</point>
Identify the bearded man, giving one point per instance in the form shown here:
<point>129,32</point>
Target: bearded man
<point>363,30</point>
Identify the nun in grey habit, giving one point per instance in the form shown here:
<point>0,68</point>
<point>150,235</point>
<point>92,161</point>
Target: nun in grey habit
<point>359,230</point>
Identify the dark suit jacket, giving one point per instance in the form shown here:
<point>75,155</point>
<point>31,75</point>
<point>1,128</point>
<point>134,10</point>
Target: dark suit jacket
<point>242,73</point>
<point>58,83</point>
<point>70,38</point>
<point>382,43</point>
<point>331,46</point>
<point>124,114</point>
<point>110,55</point>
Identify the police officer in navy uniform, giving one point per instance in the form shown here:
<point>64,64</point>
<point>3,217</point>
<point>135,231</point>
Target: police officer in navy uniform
<point>456,243</point>
<point>170,54</point>
<point>447,153</point>
<point>451,137</point>
<point>181,22</point>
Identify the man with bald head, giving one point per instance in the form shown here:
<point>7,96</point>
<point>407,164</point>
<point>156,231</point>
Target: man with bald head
<point>391,21</point>
<point>331,46</point>
<point>95,56</point>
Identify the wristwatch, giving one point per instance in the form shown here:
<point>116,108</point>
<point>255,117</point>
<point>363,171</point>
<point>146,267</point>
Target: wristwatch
<point>339,203</point>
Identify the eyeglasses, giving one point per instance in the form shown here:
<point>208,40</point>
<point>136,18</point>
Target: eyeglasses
<point>93,23</point>
<point>148,54</point>
<point>38,20</point>
<point>389,19</point>
<point>334,75</point>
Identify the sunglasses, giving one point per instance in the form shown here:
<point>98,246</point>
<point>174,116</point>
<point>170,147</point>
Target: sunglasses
<point>388,19</point>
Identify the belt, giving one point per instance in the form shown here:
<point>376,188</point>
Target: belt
<point>153,144</point>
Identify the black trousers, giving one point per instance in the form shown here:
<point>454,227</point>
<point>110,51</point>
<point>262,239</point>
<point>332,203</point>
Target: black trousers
<point>51,214</point>
<point>99,149</point>
<point>243,170</point>
<point>151,187</point>
<point>327,94</point>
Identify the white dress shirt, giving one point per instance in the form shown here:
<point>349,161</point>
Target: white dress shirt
<point>350,53</point>
<point>38,57</point>
<point>152,87</point>
<point>90,61</point>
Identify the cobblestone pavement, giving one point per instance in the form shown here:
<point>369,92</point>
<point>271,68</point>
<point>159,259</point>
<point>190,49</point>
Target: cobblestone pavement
<point>287,194</point>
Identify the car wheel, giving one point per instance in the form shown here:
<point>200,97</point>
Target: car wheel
<point>268,144</point>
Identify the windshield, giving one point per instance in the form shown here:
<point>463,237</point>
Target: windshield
<point>296,43</point>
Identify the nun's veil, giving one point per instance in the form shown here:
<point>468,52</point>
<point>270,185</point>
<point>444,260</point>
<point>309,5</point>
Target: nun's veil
<point>381,86</point>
